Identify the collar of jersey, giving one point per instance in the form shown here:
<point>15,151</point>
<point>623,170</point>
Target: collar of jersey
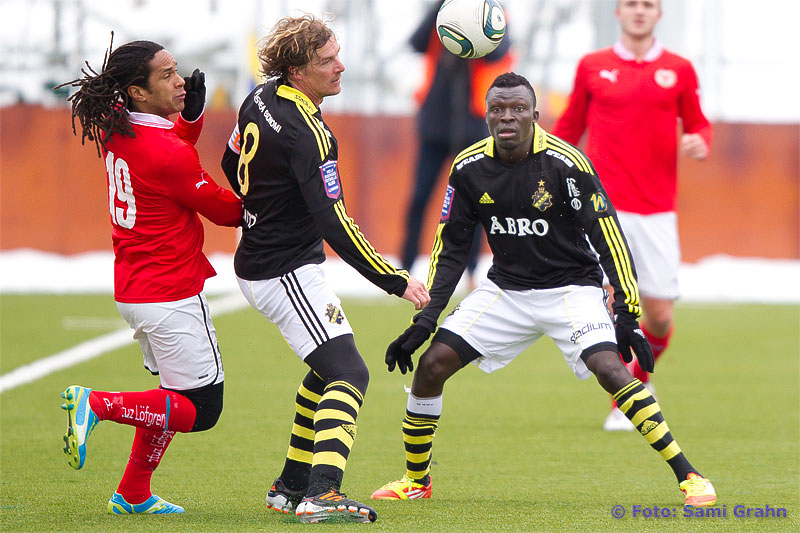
<point>651,55</point>
<point>148,119</point>
<point>539,141</point>
<point>290,93</point>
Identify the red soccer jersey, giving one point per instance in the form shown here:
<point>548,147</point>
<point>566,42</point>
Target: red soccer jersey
<point>631,109</point>
<point>156,188</point>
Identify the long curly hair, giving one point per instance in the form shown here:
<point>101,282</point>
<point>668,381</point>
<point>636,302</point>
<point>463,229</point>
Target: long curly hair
<point>100,102</point>
<point>292,42</point>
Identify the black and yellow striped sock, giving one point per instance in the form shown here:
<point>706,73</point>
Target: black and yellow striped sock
<point>643,411</point>
<point>418,433</point>
<point>297,467</point>
<point>334,433</point>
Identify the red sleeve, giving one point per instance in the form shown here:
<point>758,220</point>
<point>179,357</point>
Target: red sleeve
<point>572,123</point>
<point>694,121</point>
<point>188,131</point>
<point>190,186</point>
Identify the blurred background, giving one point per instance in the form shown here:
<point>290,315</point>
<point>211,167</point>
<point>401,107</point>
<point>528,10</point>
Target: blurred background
<point>743,202</point>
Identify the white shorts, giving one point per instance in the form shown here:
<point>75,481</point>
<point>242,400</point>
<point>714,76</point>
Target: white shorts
<point>656,251</point>
<point>302,305</point>
<point>501,324</point>
<point>178,341</point>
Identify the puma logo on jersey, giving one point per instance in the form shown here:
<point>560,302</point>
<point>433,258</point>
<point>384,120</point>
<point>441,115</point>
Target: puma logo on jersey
<point>201,182</point>
<point>486,199</point>
<point>610,75</point>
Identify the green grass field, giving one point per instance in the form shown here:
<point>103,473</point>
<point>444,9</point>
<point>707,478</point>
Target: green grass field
<point>517,450</point>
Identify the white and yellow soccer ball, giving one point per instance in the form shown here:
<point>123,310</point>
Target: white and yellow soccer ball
<point>470,28</point>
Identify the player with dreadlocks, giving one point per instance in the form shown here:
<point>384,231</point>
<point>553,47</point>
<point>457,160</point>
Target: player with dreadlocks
<point>156,188</point>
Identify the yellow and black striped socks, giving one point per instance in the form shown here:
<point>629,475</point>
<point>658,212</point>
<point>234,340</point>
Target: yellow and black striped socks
<point>334,433</point>
<point>643,411</point>
<point>301,444</point>
<point>418,433</point>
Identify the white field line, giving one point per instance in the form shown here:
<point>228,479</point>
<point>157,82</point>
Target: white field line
<point>96,347</point>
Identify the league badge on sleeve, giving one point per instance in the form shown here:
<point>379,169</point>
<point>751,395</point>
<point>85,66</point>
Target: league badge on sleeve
<point>330,178</point>
<point>448,202</point>
<point>599,203</point>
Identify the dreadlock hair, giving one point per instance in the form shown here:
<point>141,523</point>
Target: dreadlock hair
<point>512,79</point>
<point>102,98</point>
<point>292,42</point>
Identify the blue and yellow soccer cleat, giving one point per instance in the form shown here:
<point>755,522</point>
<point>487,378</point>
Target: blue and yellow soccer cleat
<point>698,490</point>
<point>405,489</point>
<point>81,420</point>
<point>152,505</point>
<point>335,506</point>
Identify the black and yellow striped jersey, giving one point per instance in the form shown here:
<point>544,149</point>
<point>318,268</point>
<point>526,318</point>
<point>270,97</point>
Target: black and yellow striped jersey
<point>544,217</point>
<point>282,160</point>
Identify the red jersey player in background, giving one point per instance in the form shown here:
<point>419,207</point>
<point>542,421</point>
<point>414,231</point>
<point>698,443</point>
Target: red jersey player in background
<point>156,188</point>
<point>630,97</point>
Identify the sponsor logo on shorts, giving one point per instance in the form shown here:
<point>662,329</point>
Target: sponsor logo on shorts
<point>334,315</point>
<point>330,177</point>
<point>588,328</point>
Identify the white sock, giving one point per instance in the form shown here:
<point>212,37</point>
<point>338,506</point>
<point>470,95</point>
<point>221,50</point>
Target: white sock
<point>425,406</point>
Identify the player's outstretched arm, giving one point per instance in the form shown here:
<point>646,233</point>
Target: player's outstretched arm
<point>417,294</point>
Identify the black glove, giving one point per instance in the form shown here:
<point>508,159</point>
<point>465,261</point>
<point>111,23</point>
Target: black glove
<point>195,100</point>
<point>401,349</point>
<point>630,335</point>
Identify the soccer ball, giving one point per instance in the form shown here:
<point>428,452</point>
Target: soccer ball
<point>470,28</point>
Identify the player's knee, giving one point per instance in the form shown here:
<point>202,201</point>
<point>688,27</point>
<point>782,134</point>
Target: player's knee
<point>436,366</point>
<point>208,404</point>
<point>356,374</point>
<point>607,367</point>
<point>338,360</point>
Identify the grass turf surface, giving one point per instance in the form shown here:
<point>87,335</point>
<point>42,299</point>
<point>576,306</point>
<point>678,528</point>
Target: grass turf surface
<point>517,450</point>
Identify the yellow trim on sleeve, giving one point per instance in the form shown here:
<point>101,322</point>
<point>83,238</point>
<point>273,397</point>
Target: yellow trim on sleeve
<point>437,249</point>
<point>368,252</point>
<point>621,262</point>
